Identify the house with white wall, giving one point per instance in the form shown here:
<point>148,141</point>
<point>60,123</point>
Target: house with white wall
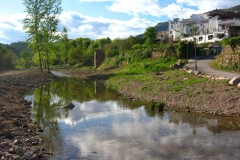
<point>207,27</point>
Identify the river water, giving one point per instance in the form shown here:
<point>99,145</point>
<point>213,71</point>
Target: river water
<point>105,126</point>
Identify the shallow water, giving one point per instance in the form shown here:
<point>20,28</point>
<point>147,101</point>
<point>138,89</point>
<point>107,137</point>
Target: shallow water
<point>104,126</point>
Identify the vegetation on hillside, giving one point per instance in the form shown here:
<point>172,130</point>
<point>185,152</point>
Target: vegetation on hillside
<point>6,58</point>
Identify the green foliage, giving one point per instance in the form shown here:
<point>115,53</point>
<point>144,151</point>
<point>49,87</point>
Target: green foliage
<point>6,58</point>
<point>26,59</point>
<point>111,52</point>
<point>184,48</point>
<point>137,46</point>
<point>180,49</point>
<point>170,50</point>
<point>41,26</point>
<point>64,45</point>
<point>159,106</point>
<point>139,55</point>
<point>3,50</point>
<point>76,55</point>
<point>233,42</point>
<point>17,47</point>
<point>162,47</point>
<point>146,65</point>
<point>152,105</point>
<point>150,35</point>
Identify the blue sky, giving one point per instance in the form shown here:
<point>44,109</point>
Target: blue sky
<point>106,18</point>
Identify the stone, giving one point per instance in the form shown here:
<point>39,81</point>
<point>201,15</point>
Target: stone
<point>195,72</point>
<point>11,151</point>
<point>70,105</point>
<point>8,135</point>
<point>17,158</point>
<point>19,151</point>
<point>238,85</point>
<point>16,142</point>
<point>28,156</point>
<point>235,81</point>
<point>190,71</point>
<point>221,78</point>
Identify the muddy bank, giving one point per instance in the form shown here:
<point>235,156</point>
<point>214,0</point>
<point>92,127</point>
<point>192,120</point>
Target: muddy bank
<point>18,134</point>
<point>212,97</point>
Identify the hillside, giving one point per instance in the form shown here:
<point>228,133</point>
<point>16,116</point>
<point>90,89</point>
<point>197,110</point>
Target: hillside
<point>17,47</point>
<point>162,26</point>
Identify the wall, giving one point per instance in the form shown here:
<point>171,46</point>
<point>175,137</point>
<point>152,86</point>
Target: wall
<point>99,56</point>
<point>228,60</point>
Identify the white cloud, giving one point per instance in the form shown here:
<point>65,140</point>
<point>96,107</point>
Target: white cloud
<point>95,0</point>
<point>136,7</point>
<point>79,25</point>
<point>11,27</point>
<point>207,5</point>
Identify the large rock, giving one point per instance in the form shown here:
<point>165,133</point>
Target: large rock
<point>70,105</point>
<point>235,81</point>
<point>238,85</point>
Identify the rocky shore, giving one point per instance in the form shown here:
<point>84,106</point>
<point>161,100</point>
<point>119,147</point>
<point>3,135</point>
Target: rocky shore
<point>18,134</point>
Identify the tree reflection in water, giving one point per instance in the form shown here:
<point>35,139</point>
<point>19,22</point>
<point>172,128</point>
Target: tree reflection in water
<point>93,97</point>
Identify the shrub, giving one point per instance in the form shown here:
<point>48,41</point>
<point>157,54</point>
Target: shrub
<point>160,105</point>
<point>152,105</point>
<point>170,50</point>
<point>139,55</point>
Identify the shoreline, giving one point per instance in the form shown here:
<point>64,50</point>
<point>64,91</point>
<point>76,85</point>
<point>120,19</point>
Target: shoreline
<point>212,97</point>
<point>19,135</point>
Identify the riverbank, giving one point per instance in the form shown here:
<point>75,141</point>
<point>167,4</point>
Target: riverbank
<point>178,89</point>
<point>18,134</point>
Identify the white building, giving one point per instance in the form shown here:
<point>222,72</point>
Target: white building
<point>208,27</point>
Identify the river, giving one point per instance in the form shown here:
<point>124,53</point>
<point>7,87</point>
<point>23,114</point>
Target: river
<point>105,126</point>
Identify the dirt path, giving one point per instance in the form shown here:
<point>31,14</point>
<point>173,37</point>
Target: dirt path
<point>12,72</point>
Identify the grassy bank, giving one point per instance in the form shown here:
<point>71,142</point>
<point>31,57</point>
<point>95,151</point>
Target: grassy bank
<point>153,80</point>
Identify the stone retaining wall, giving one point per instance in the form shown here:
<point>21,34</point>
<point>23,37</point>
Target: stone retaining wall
<point>228,60</point>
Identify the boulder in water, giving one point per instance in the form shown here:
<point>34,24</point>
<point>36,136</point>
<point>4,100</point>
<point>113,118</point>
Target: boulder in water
<point>70,105</point>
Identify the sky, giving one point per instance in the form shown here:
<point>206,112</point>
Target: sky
<point>96,19</point>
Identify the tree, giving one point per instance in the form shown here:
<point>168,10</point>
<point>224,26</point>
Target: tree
<point>150,35</point>
<point>49,28</point>
<point>65,46</point>
<point>6,58</point>
<point>41,21</point>
<point>26,58</point>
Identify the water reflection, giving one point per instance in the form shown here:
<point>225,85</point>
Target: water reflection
<point>105,126</point>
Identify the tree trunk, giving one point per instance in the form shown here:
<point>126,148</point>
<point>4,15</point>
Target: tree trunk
<point>48,69</point>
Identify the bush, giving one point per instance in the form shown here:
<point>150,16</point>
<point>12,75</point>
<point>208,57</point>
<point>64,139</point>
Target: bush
<point>170,50</point>
<point>157,106</point>
<point>111,52</point>
<point>139,55</point>
<point>160,105</point>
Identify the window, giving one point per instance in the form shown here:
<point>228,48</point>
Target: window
<point>210,37</point>
<point>220,36</point>
<point>200,38</point>
<point>170,32</point>
<point>171,26</point>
